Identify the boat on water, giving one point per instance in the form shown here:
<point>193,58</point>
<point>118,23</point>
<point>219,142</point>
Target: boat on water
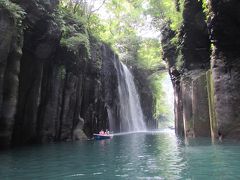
<point>102,136</point>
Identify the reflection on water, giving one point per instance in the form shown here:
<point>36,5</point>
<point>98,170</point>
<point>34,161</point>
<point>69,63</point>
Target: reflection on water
<point>149,155</point>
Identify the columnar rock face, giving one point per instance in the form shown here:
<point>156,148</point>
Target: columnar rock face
<point>10,55</point>
<point>50,91</point>
<point>39,49</point>
<point>195,39</point>
<point>200,106</point>
<point>225,36</point>
<point>193,81</point>
<point>207,96</point>
<point>192,106</point>
<point>190,80</point>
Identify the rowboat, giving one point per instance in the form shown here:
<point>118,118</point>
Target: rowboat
<point>102,136</point>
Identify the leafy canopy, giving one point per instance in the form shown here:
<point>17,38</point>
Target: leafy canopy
<point>166,11</point>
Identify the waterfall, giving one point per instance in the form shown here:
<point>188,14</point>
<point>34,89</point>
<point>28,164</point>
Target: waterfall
<point>131,115</point>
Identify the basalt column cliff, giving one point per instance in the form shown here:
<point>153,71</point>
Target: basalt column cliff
<point>206,83</point>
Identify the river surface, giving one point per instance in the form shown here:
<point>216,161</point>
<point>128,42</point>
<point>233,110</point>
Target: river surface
<point>155,155</point>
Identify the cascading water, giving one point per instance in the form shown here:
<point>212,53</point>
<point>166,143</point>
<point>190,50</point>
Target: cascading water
<point>131,115</point>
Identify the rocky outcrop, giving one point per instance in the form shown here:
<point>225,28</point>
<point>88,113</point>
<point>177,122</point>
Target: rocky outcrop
<point>208,99</point>
<point>193,80</point>
<point>10,55</point>
<point>40,44</point>
<point>206,96</point>
<point>195,104</point>
<point>195,41</point>
<point>188,65</point>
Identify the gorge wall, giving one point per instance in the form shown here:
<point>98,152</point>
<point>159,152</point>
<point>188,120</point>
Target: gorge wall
<point>55,85</point>
<point>224,28</point>
<point>206,83</point>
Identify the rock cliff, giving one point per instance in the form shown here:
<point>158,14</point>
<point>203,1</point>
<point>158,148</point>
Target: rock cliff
<point>225,37</point>
<point>205,79</point>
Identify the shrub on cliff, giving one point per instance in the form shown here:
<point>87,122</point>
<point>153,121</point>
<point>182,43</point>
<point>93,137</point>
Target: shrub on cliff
<point>74,32</point>
<point>15,10</point>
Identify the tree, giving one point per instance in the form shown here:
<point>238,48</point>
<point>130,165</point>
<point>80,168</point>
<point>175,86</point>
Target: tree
<point>166,11</point>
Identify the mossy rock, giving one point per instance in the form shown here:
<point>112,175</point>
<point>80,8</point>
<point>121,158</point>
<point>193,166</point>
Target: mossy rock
<point>74,43</point>
<point>74,33</point>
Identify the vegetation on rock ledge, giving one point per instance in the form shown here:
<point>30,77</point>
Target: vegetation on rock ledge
<point>16,11</point>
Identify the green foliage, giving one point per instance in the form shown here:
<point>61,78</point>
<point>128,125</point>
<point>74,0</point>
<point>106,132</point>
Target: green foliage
<point>73,43</point>
<point>95,46</point>
<point>179,61</point>
<point>122,24</point>
<point>96,26</point>
<point>175,41</point>
<point>205,6</point>
<point>169,13</point>
<point>62,72</point>
<point>166,11</point>
<point>120,30</point>
<point>128,49</point>
<point>74,31</point>
<point>149,54</point>
<point>16,11</point>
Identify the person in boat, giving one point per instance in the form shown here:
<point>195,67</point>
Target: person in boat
<point>101,132</point>
<point>220,136</point>
<point>107,132</point>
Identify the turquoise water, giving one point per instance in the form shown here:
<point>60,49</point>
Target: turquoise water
<point>133,156</point>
